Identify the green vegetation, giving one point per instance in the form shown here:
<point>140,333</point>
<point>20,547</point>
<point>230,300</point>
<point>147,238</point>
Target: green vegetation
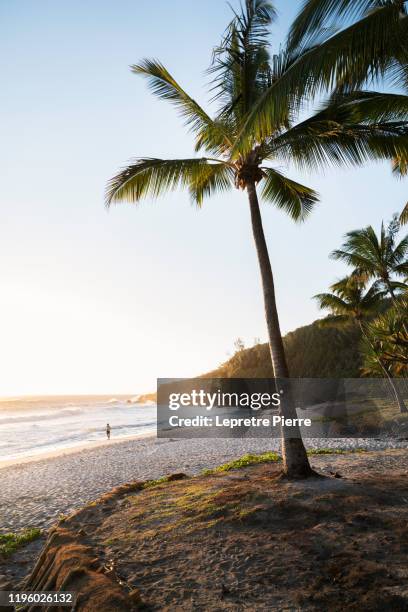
<point>169,478</point>
<point>326,451</point>
<point>373,296</point>
<point>256,128</point>
<point>154,483</point>
<point>345,46</point>
<point>312,351</point>
<point>350,300</point>
<point>191,506</point>
<point>387,342</point>
<point>271,456</point>
<point>381,259</point>
<point>334,451</point>
<point>10,542</point>
<point>244,461</point>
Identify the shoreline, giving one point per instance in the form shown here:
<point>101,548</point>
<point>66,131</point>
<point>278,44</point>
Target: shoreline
<point>71,450</point>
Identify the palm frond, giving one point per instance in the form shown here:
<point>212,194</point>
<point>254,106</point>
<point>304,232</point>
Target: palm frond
<point>351,300</point>
<point>399,253</point>
<point>332,302</point>
<point>373,296</point>
<point>215,138</point>
<point>361,250</point>
<point>370,106</point>
<point>349,130</point>
<point>212,178</point>
<point>316,15</point>
<point>153,177</point>
<point>404,215</point>
<point>379,257</point>
<point>360,53</point>
<point>252,24</point>
<point>240,69</point>
<point>209,133</point>
<point>400,167</point>
<point>292,197</point>
<point>399,286</point>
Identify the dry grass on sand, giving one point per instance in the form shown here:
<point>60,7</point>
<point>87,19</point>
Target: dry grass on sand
<point>244,540</point>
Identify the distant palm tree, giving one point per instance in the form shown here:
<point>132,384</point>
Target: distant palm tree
<point>242,72</point>
<point>349,302</point>
<point>380,258</point>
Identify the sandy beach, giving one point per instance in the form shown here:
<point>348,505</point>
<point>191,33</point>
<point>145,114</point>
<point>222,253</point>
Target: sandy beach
<point>244,539</point>
<point>34,493</point>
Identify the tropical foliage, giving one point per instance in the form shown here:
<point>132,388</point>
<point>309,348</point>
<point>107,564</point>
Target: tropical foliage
<point>388,342</point>
<point>312,351</point>
<point>382,258</point>
<point>255,128</point>
<point>383,323</point>
<point>363,40</point>
<point>348,129</point>
<point>350,300</point>
<point>360,43</point>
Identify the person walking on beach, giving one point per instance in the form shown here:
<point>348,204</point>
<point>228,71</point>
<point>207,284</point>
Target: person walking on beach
<point>108,430</point>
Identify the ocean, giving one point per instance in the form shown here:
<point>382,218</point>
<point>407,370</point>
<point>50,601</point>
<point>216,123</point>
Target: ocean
<point>36,425</point>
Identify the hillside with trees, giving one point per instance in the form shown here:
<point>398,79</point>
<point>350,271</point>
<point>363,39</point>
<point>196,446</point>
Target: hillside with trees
<point>313,351</point>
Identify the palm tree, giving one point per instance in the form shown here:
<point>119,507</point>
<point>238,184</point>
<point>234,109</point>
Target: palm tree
<point>380,258</point>
<point>349,302</point>
<point>242,71</point>
<point>345,45</point>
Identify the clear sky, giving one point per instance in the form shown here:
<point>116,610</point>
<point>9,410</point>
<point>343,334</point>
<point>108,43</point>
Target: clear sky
<point>104,302</point>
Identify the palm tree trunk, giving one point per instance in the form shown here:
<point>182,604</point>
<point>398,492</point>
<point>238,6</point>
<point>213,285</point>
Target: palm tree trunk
<point>295,460</point>
<point>392,294</point>
<point>391,291</point>
<point>400,401</point>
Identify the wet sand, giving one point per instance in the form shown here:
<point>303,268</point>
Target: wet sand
<point>62,452</point>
